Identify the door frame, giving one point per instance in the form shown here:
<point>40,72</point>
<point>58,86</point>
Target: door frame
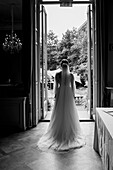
<point>60,2</point>
<point>93,14</point>
<point>89,62</point>
<point>43,33</point>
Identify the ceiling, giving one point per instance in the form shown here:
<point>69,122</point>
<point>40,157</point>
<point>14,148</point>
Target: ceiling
<point>5,13</point>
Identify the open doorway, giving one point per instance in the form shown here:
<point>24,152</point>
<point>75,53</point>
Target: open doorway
<point>80,41</point>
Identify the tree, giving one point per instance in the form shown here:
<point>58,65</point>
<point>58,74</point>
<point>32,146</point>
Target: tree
<point>73,47</point>
<point>82,65</point>
<point>52,41</point>
<point>66,44</point>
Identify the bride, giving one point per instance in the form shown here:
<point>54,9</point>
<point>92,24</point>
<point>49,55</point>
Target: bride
<point>64,131</point>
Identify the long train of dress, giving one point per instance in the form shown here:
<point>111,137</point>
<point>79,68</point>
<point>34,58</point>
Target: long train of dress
<point>64,131</point>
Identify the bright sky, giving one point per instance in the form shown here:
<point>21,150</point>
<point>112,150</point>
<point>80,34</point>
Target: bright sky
<point>59,19</point>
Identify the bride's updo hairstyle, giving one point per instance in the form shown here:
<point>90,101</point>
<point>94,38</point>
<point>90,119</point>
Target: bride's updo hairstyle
<point>64,63</point>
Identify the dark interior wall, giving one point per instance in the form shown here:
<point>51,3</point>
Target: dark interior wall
<point>101,52</point>
<point>15,97</point>
<point>17,66</point>
<point>110,45</point>
<point>10,64</point>
<point>27,38</point>
<point>104,32</point>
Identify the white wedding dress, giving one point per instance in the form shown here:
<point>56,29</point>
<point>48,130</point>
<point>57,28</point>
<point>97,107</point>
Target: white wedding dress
<point>64,131</point>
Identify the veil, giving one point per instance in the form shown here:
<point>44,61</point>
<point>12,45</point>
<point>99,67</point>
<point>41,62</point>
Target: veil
<point>61,79</point>
<point>63,132</point>
<point>67,78</point>
<point>65,74</point>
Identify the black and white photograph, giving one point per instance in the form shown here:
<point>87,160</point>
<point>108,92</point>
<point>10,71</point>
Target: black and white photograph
<point>56,85</point>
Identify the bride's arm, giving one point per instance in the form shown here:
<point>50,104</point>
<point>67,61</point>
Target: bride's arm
<point>56,84</point>
<point>73,84</point>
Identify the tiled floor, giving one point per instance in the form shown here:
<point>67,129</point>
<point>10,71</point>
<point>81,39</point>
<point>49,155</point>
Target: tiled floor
<point>19,152</point>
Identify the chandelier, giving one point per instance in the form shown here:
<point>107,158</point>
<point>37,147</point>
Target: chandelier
<point>12,42</point>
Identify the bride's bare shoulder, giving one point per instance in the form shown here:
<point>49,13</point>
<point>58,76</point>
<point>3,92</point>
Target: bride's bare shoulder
<point>72,76</point>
